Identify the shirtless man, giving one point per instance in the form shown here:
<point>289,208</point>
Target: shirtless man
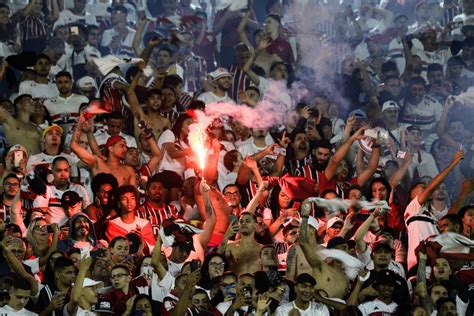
<point>243,254</point>
<point>116,150</point>
<point>329,276</point>
<point>20,130</point>
<point>151,112</point>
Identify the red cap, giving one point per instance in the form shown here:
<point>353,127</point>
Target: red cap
<point>113,140</point>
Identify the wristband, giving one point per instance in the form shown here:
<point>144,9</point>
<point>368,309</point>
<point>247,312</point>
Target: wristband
<point>363,279</point>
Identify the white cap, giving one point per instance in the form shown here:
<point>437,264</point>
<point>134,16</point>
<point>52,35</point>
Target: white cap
<point>86,82</point>
<point>220,73</point>
<point>333,221</point>
<point>89,282</point>
<point>18,147</point>
<point>390,105</point>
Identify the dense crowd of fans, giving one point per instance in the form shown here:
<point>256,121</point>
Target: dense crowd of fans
<point>333,174</point>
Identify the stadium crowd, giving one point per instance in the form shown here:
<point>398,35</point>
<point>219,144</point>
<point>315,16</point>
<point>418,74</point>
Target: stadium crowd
<point>332,172</point>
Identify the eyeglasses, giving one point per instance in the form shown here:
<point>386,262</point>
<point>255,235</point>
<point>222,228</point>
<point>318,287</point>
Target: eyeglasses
<point>232,193</point>
<point>40,227</point>
<point>9,184</point>
<point>117,276</point>
<point>294,233</point>
<point>217,264</point>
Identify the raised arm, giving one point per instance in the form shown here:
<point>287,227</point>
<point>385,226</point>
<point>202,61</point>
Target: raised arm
<point>156,263</point>
<point>84,266</point>
<point>210,221</point>
<point>421,288</point>
<point>264,43</point>
<point>441,128</point>
<point>18,268</point>
<point>435,183</point>
<point>85,156</point>
<point>132,96</point>
<point>310,254</point>
<point>466,188</point>
<point>15,213</point>
<point>401,171</point>
<point>341,152</point>
<point>254,202</point>
<point>231,231</point>
<point>361,245</point>
<point>185,300</point>
<point>371,166</point>
<point>53,247</point>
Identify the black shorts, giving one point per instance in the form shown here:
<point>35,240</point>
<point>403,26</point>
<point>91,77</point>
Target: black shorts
<point>171,180</point>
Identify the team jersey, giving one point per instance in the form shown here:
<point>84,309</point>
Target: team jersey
<point>378,308</point>
<point>52,201</point>
<point>156,216</point>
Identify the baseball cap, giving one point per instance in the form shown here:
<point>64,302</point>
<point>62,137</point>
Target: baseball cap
<point>103,306</point>
<point>51,128</point>
<point>117,8</point>
<point>89,282</point>
<point>187,245</point>
<point>413,128</point>
<point>112,140</point>
<point>338,240</point>
<point>70,198</point>
<point>360,114</point>
<point>381,244</point>
<point>333,221</point>
<point>219,73</point>
<point>390,105</point>
<point>305,278</point>
<point>387,277</point>
<point>18,147</point>
<point>86,82</point>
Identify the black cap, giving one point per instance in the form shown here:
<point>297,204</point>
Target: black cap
<point>117,7</point>
<point>387,277</point>
<point>381,244</point>
<point>103,306</point>
<point>70,198</point>
<point>413,128</point>
<point>187,245</point>
<point>338,240</point>
<point>305,278</point>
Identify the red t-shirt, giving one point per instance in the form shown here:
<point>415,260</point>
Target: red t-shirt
<point>282,48</point>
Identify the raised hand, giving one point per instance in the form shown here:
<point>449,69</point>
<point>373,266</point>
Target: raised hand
<point>458,156</point>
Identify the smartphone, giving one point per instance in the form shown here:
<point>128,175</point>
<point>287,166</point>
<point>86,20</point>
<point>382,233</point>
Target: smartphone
<point>233,219</point>
<point>194,265</point>
<point>372,133</point>
<point>85,252</point>
<point>296,205</point>
<point>17,157</point>
<point>49,228</point>
<point>229,291</point>
<point>247,291</point>
<point>401,154</point>
<point>74,30</point>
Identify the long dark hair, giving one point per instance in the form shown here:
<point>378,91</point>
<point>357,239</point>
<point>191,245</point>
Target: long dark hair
<point>385,183</point>
<point>274,203</point>
<point>135,301</point>
<point>176,129</point>
<point>205,281</point>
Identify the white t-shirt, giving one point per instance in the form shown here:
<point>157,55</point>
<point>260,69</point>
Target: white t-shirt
<point>65,111</point>
<point>8,311</point>
<point>52,200</point>
<point>45,159</point>
<point>168,163</point>
<point>126,47</point>
<point>38,90</point>
<point>161,288</point>
<point>377,307</point>
<point>424,163</point>
<point>210,97</point>
<point>418,230</point>
<point>314,309</point>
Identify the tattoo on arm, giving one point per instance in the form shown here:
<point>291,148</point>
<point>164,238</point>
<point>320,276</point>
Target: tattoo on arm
<point>291,260</point>
<point>304,230</point>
